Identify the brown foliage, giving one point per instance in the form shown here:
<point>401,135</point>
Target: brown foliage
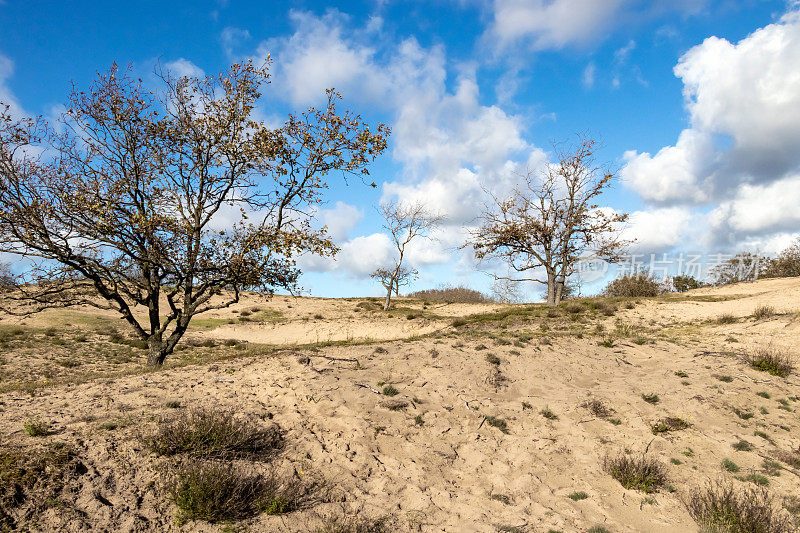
<point>551,221</point>
<point>126,197</point>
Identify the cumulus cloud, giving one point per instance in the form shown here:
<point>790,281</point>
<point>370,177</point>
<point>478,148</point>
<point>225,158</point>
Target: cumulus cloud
<point>552,23</point>
<point>758,210</point>
<point>449,144</point>
<point>743,101</point>
<point>657,230</point>
<point>341,220</point>
<point>184,68</point>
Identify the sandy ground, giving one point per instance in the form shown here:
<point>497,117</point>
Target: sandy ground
<point>453,471</point>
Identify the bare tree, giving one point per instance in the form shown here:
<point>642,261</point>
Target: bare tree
<point>551,221</point>
<point>163,206</point>
<point>392,280</point>
<point>506,291</point>
<point>404,223</point>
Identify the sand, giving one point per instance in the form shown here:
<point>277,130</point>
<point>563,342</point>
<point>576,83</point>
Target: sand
<point>454,471</point>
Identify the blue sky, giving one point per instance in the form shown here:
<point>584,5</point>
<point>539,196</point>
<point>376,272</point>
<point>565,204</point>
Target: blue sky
<point>697,104</point>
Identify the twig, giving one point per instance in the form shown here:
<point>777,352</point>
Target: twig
<point>482,421</point>
<point>754,380</point>
<point>587,420</point>
<point>648,445</point>
<point>368,388</point>
<point>329,358</point>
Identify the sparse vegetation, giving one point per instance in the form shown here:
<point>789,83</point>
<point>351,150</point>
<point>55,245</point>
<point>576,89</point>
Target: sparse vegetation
<point>577,496</point>
<point>742,446</point>
<point>640,473</point>
<point>389,390</point>
<point>730,466</point>
<point>213,433</point>
<point>721,507</point>
<point>36,428</point>
<point>770,359</point>
<point>548,414</point>
<point>670,423</point>
<point>763,311</point>
<point>651,398</point>
<point>598,408</point>
<point>215,491</point>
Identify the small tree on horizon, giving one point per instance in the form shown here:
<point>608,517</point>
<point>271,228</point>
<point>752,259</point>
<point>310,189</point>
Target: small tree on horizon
<point>551,221</point>
<point>164,206</point>
<point>404,222</point>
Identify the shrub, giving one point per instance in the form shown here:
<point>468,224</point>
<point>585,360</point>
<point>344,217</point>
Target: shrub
<point>742,446</point>
<point>215,491</point>
<point>638,285</point>
<point>763,311</point>
<point>498,423</point>
<point>787,264</point>
<point>685,283</point>
<point>598,408</point>
<point>670,423</point>
<point>548,414</point>
<point>744,266</point>
<point>639,473</point>
<point>577,496</point>
<point>726,318</point>
<point>769,359</point>
<point>447,293</point>
<point>213,433</point>
<point>36,428</point>
<point>722,508</point>
<point>651,398</point>
<point>388,390</point>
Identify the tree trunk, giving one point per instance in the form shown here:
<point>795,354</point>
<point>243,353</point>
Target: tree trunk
<point>156,352</point>
<point>388,299</point>
<point>559,289</point>
<point>551,288</point>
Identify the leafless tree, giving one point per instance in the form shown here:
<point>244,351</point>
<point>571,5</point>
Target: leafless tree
<point>404,223</point>
<point>392,280</point>
<point>506,291</point>
<point>551,221</point>
<point>161,206</point>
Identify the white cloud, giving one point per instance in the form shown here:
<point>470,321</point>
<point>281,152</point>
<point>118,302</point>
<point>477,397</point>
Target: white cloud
<point>341,220</point>
<point>320,56</point>
<point>588,75</point>
<point>231,39</point>
<point>757,209</point>
<point>744,105</point>
<point>674,173</point>
<point>552,23</point>
<point>6,94</point>
<point>657,230</point>
<point>184,68</point>
<point>358,257</point>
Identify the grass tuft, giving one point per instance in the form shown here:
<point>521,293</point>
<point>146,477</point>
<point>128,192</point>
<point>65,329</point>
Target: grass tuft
<point>651,398</point>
